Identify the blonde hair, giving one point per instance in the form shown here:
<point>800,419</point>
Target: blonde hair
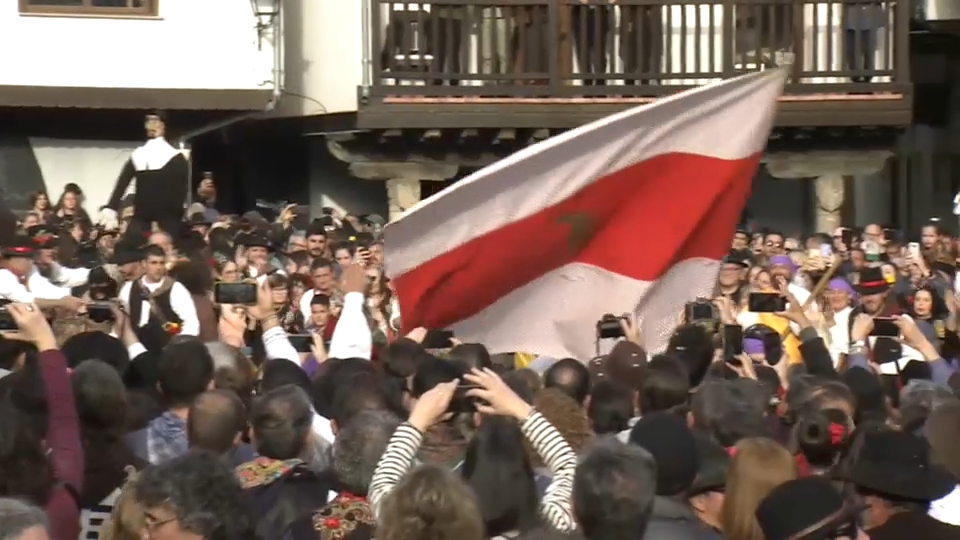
<point>430,503</point>
<point>126,520</point>
<point>758,466</point>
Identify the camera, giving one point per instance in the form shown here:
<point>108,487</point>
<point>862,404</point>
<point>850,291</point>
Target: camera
<point>608,327</point>
<point>699,310</point>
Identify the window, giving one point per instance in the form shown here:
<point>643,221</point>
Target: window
<point>147,8</point>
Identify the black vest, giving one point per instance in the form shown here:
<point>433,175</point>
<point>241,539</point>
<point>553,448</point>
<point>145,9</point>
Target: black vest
<point>153,336</point>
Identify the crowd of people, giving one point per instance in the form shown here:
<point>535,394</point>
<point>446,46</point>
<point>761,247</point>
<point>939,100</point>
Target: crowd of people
<point>245,377</point>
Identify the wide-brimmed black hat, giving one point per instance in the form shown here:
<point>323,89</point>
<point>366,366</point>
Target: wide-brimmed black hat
<point>803,508</point>
<point>897,463</point>
<point>871,281</point>
<point>44,236</point>
<point>126,250</point>
<point>254,238</point>
<point>20,245</point>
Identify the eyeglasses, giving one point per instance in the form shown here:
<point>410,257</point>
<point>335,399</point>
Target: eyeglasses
<point>152,523</point>
<point>774,244</point>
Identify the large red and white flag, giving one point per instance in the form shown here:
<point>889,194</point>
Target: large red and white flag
<point>628,214</point>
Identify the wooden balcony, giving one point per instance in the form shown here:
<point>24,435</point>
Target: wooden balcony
<point>561,63</point>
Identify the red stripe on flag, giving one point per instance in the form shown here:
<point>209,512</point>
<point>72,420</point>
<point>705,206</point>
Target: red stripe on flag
<point>640,221</point>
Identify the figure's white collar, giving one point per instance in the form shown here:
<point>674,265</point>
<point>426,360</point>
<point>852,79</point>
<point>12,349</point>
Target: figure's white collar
<point>153,155</point>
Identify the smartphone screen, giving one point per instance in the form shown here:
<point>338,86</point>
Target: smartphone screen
<point>885,327</point>
<point>699,311</point>
<point>301,342</point>
<point>235,293</point>
<point>826,251</point>
<point>732,341</point>
<point>766,303</point>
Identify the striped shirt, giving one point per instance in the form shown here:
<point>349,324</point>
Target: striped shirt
<point>555,506</point>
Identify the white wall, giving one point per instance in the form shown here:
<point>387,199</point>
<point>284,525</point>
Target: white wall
<point>322,56</point>
<point>92,165</point>
<point>208,44</point>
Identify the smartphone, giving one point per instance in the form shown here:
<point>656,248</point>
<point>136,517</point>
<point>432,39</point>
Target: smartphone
<point>6,320</point>
<point>885,327</point>
<point>699,311</point>
<point>846,236</point>
<point>732,341</point>
<point>826,251</point>
<point>303,343</point>
<point>242,293</point>
<point>766,303</point>
<point>438,339</point>
<point>913,248</point>
<point>100,312</point>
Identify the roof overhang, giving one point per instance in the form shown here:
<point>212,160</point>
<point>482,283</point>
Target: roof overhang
<point>134,98</point>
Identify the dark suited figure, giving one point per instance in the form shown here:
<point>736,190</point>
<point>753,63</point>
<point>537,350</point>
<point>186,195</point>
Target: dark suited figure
<point>641,42</point>
<point>862,19</point>
<point>591,30</point>
<point>444,34</point>
<point>162,175</point>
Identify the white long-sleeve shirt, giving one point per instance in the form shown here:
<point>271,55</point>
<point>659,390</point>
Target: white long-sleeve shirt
<point>68,277</point>
<point>37,287</point>
<point>180,302</point>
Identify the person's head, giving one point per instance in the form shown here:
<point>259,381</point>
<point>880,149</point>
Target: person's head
<point>501,477</point>
<point>126,519</point>
<point>316,242</point>
<point>613,491</point>
<point>942,431</point>
<point>729,411</point>
<point>611,407</point>
<point>470,355</point>
<point>162,240</point>
<point>873,233</point>
<point>358,392</point>
<point>185,371</point>
<point>22,521</point>
<point>297,244</point>
<point>706,494</point>
<point>773,244</point>
<point>69,201</point>
<point>40,201</point>
<point>227,270</point>
<point>670,442</point>
<point>929,235</point>
<point>344,254</point>
<point>665,385</point>
<point>740,241</point>
<point>692,345</point>
<point>321,270</point>
<point>319,310</point>
<point>808,508</point>
<point>31,219</point>
<point>155,125</point>
<point>193,497</point>
<point>231,370</point>
<point>839,294</point>
<point>100,396</point>
<point>281,421</point>
<point>194,275</point>
<point>568,416</point>
<point>921,397</point>
<point>154,263</point>
<point>359,446</point>
<point>279,289</point>
<point>731,274</point>
<point>430,502</point>
<point>216,421</point>
<point>569,376</point>
<point>758,466</point>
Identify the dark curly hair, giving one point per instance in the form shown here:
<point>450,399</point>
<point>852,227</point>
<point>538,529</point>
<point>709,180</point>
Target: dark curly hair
<point>203,494</point>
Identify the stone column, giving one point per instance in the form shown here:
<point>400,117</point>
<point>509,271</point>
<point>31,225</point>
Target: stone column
<point>829,189</point>
<point>402,194</point>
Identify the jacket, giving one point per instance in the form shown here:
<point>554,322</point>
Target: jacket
<point>673,519</point>
<point>914,525</point>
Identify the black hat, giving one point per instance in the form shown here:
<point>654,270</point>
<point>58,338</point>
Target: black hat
<point>197,218</point>
<point>253,239</point>
<point>737,257</point>
<point>127,250</point>
<point>897,463</point>
<point>714,462</point>
<point>18,246</point>
<point>666,436</point>
<point>803,508</point>
<point>44,236</point>
<point>871,281</point>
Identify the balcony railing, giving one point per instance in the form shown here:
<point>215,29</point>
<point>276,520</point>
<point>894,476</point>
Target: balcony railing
<point>633,48</point>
